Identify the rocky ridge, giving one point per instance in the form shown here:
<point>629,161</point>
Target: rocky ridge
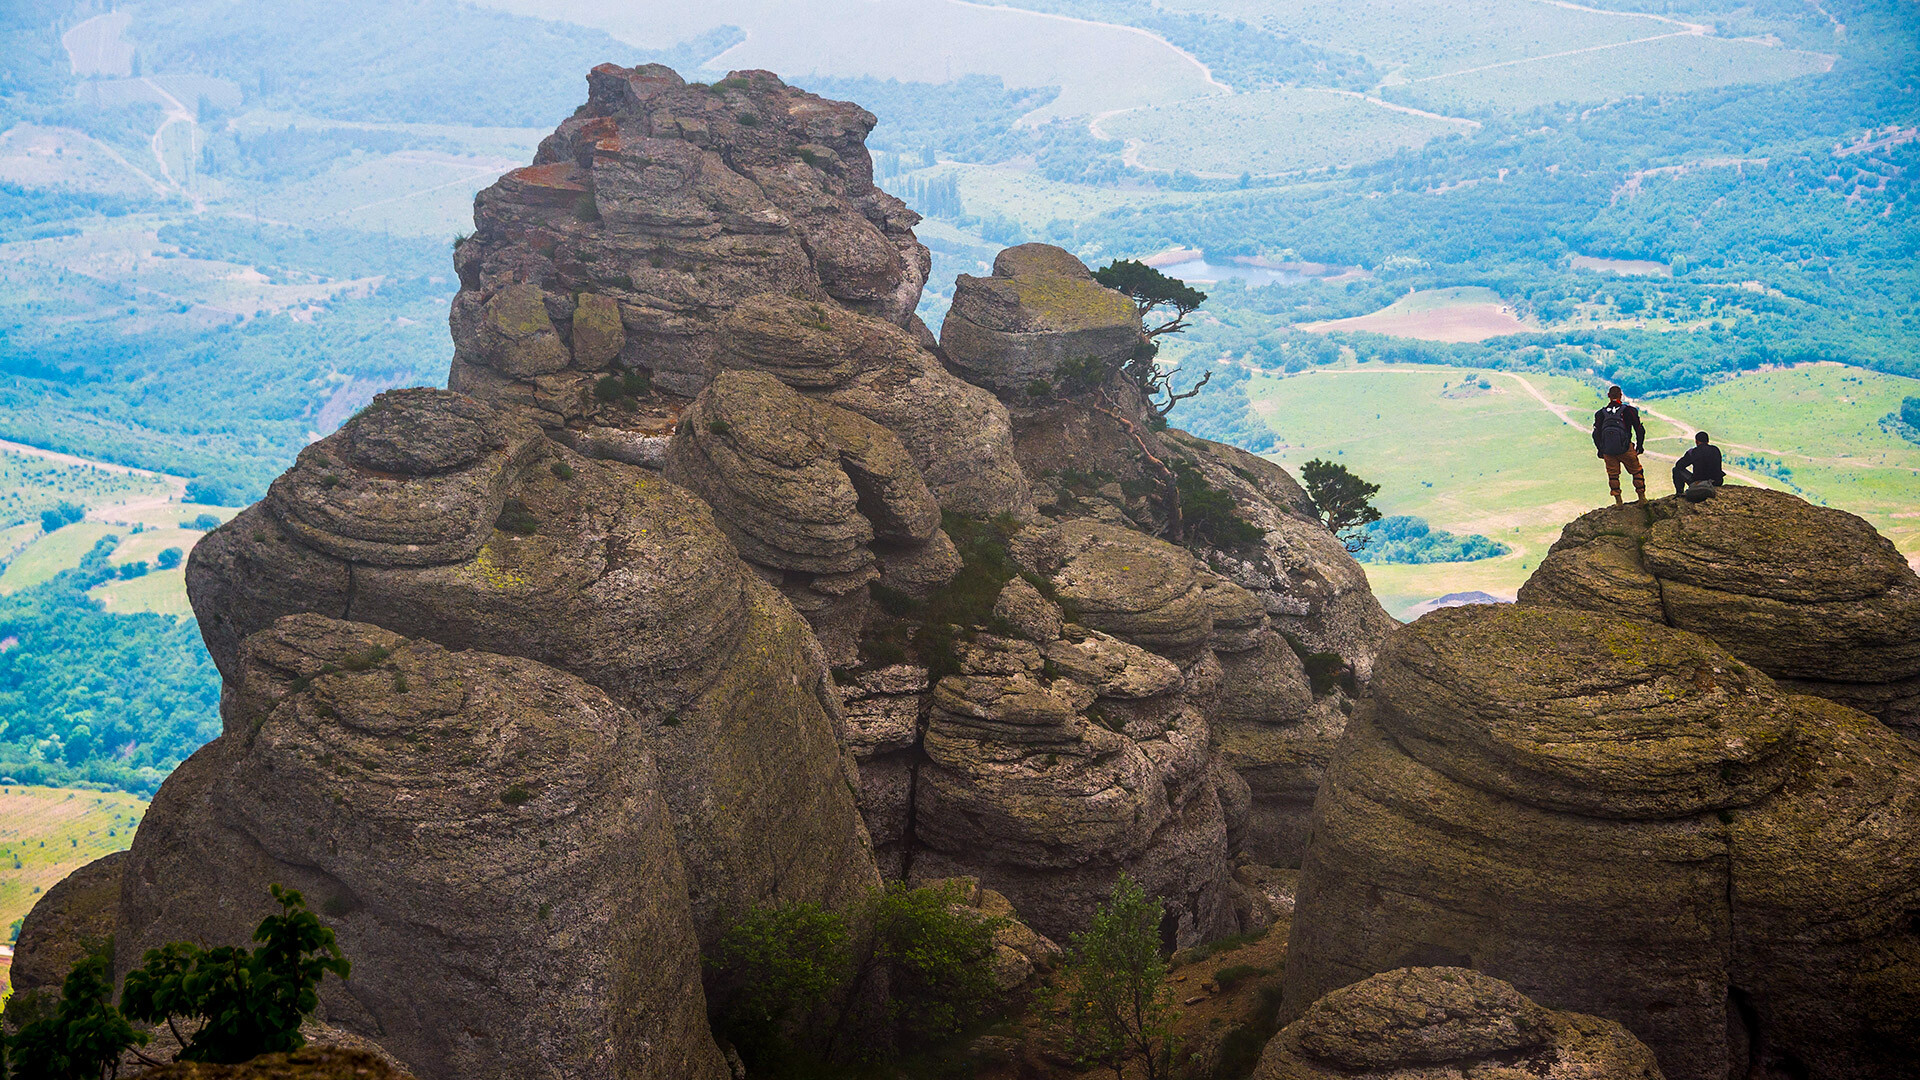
<point>1624,819</point>
<point>1811,595</point>
<point>714,582</point>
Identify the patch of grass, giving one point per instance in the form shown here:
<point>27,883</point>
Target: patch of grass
<point>516,795</point>
<point>1230,977</point>
<point>561,470</point>
<point>1272,131</point>
<point>515,518</point>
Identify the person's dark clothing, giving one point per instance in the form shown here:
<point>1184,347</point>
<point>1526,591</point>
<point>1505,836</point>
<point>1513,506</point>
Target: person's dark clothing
<point>1630,417</point>
<point>1702,463</point>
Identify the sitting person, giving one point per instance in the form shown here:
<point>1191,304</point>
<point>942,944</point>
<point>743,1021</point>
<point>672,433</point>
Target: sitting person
<point>1699,465</point>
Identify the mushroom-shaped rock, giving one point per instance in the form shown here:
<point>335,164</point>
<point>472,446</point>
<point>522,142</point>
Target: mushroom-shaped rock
<point>1808,594</point>
<point>1039,310</point>
<point>1421,1022</point>
<point>1125,583</point>
<point>1623,819</point>
<point>416,478</point>
<point>366,769</point>
<point>71,919</point>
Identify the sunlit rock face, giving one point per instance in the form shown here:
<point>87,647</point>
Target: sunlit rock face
<point>1811,595</point>
<point>1623,819</point>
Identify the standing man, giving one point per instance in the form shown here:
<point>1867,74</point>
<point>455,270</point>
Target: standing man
<point>1619,437</point>
<point>1699,465</point>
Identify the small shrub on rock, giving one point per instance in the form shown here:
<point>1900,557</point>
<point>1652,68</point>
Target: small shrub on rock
<point>247,1002</point>
<point>83,1036</point>
<point>802,988</point>
<point>1114,983</point>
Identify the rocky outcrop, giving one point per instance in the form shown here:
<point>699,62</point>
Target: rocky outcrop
<point>667,232</point>
<point>599,569</point>
<point>713,583</point>
<point>1811,595</point>
<point>808,491</point>
<point>1040,311</point>
<point>1416,1023</point>
<point>69,921</point>
<point>1053,766</point>
<point>485,834</point>
<point>1623,819</point>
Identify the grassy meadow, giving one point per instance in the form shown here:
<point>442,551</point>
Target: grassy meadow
<point>1499,462</point>
<point>144,510</point>
<point>48,833</point>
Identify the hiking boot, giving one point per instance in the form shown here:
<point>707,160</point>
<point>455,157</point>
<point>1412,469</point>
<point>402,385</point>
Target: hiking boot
<point>1616,499</point>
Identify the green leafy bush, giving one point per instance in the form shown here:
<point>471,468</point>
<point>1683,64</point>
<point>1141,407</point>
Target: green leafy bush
<point>247,1002</point>
<point>1114,983</point>
<point>84,1035</point>
<point>801,988</point>
<point>1209,512</point>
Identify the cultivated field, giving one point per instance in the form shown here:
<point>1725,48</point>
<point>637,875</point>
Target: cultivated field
<point>1098,66</point>
<point>1460,314</point>
<point>1503,463</point>
<point>1494,462</point>
<point>30,483</point>
<point>1273,131</point>
<point>1425,37</point>
<point>142,509</point>
<point>1821,421</point>
<point>1671,64</point>
<point>48,833</point>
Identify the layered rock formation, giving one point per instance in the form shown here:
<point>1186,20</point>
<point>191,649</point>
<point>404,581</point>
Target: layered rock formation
<point>1811,595</point>
<point>714,583</point>
<point>1624,819</point>
<point>542,907</point>
<point>1420,1023</point>
<point>1039,313</point>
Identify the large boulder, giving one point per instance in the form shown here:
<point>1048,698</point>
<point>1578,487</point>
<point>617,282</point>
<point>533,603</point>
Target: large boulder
<point>1623,819</point>
<point>1431,1022</point>
<point>1811,595</point>
<point>599,569</point>
<point>71,920</point>
<point>370,771</point>
<point>1039,311</point>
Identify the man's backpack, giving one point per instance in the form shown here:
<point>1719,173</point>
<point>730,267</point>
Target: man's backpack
<point>1615,438</point>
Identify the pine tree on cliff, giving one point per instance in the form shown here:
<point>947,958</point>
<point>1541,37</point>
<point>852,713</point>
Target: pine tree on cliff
<point>1165,298</point>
